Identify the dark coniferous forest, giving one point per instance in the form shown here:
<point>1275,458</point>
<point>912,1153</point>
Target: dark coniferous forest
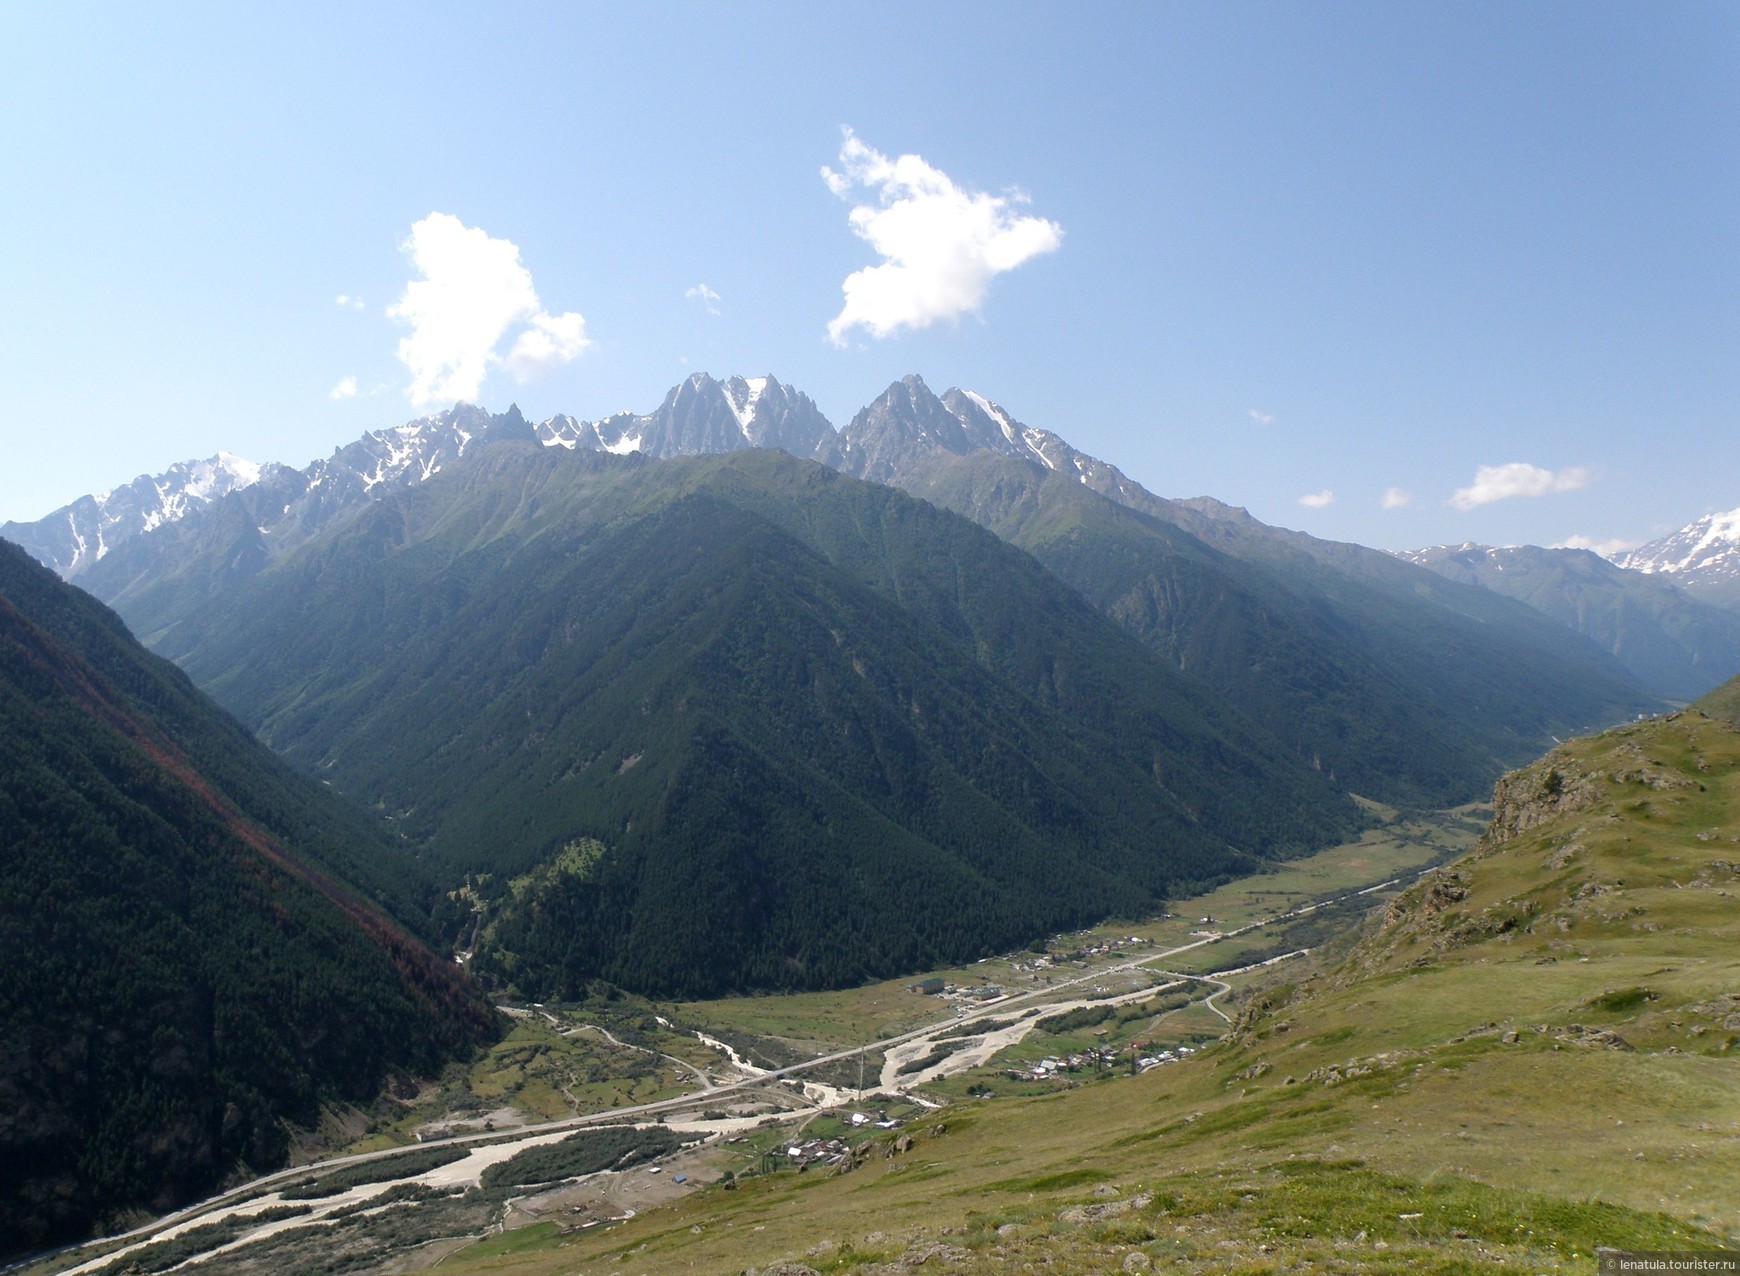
<point>791,707</point>
<point>188,964</point>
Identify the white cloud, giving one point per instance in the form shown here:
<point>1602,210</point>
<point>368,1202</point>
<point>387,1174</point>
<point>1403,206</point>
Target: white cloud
<point>1317,500</point>
<point>547,344</point>
<point>1606,548</point>
<point>706,296</point>
<point>1519,478</point>
<point>473,290</point>
<point>1395,498</point>
<point>349,302</point>
<point>940,245</point>
<point>345,389</point>
<point>1261,417</point>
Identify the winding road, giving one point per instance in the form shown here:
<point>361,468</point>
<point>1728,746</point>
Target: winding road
<point>498,1143</point>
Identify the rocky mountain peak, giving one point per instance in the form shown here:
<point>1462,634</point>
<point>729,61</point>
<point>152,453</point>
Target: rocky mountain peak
<point>77,535</point>
<point>1702,557</point>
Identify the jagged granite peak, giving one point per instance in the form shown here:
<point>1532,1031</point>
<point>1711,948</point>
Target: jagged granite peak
<point>909,426</point>
<point>702,415</point>
<point>1703,557</point>
<point>415,451</point>
<point>78,534</point>
<point>905,423</point>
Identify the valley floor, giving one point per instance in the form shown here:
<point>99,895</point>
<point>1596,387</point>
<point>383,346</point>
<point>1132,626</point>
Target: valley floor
<point>754,1078</point>
<point>1362,1062</point>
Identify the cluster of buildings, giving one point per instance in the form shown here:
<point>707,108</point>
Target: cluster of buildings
<point>1093,1060</point>
<point>936,986</point>
<point>1061,958</point>
<point>1096,1059</point>
<point>1163,1056</point>
<point>817,1152</point>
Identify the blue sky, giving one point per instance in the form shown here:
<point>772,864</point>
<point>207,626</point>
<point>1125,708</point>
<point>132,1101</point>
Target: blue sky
<point>1259,252</point>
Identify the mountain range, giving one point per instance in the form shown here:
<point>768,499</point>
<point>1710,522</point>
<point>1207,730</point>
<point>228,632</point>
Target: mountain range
<point>700,415</point>
<point>1405,690</point>
<point>704,415</point>
<point>521,639</point>
<point>1674,640</point>
<point>777,698</point>
<point>1368,669</point>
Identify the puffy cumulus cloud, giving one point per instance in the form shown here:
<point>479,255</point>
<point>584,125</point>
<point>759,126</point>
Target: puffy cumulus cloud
<point>546,345</point>
<point>706,296</point>
<point>1318,500</point>
<point>345,389</point>
<point>1519,478</point>
<point>940,245</point>
<point>474,289</point>
<point>1261,417</point>
<point>1395,499</point>
<point>1606,548</point>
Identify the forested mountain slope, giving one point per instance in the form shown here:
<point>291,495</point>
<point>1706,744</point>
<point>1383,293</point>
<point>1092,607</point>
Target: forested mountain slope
<point>1408,687</point>
<point>820,730</point>
<point>187,965</point>
<point>1677,645</point>
<point>1404,686</point>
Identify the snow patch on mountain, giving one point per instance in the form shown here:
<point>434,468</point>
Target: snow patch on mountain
<point>77,535</point>
<point>1707,548</point>
<point>742,395</point>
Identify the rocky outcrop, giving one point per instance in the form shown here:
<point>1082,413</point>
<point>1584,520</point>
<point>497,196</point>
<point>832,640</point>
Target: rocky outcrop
<point>1528,798</point>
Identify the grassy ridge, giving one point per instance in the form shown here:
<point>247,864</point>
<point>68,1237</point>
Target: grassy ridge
<point>1723,702</point>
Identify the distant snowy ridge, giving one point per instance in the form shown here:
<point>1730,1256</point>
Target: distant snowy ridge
<point>77,535</point>
<point>1468,554</point>
<point>1677,640</point>
<point>699,416</point>
<point>1703,556</point>
<point>703,415</point>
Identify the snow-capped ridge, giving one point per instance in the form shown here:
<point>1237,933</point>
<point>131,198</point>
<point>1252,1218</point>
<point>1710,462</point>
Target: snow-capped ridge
<point>702,415</point>
<point>1698,544</point>
<point>85,531</point>
<point>1702,557</point>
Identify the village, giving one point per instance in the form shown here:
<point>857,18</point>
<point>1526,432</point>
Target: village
<point>1098,1059</point>
<point>1028,963</point>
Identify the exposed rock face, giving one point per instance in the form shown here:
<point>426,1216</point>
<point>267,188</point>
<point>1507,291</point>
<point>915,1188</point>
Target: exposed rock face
<point>1551,787</point>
